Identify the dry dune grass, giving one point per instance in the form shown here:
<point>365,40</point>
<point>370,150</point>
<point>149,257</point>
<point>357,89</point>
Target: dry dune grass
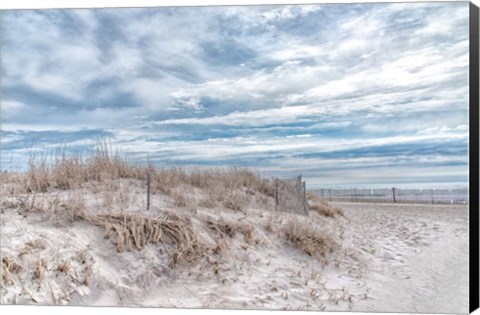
<point>225,187</point>
<point>129,230</point>
<point>222,229</point>
<point>212,178</point>
<point>236,201</point>
<point>311,239</point>
<point>39,267</point>
<point>32,246</point>
<point>9,267</point>
<point>66,169</point>
<point>321,206</point>
<point>65,266</point>
<point>101,170</point>
<point>219,196</point>
<point>326,210</point>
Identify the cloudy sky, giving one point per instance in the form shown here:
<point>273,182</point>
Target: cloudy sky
<point>347,95</point>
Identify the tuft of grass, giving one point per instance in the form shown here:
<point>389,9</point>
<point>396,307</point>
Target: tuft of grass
<point>66,169</point>
<point>64,267</point>
<point>235,201</point>
<point>87,274</point>
<point>129,230</point>
<point>31,246</point>
<point>326,210</point>
<point>9,267</point>
<point>36,244</point>
<point>321,206</point>
<point>310,239</point>
<point>39,267</point>
<point>223,229</point>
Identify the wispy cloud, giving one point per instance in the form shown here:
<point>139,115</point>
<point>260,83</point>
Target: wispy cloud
<point>331,91</point>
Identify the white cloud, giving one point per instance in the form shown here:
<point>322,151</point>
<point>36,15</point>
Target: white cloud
<point>308,73</point>
<point>445,130</point>
<point>444,23</point>
<point>231,148</point>
<point>45,59</point>
<point>261,117</point>
<point>10,109</point>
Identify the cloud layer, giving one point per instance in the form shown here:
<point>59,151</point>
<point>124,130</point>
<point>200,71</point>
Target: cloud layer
<point>346,94</point>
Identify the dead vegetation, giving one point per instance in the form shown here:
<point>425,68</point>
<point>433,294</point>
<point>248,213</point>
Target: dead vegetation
<point>39,267</point>
<point>87,274</point>
<point>223,229</point>
<point>310,238</point>
<point>36,244</point>
<point>66,169</point>
<point>231,188</point>
<point>65,266</point>
<point>9,268</point>
<point>326,210</point>
<point>102,169</point>
<point>210,180</point>
<point>32,246</point>
<point>133,230</point>
<point>321,206</point>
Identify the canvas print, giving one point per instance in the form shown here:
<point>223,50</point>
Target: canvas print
<point>272,157</point>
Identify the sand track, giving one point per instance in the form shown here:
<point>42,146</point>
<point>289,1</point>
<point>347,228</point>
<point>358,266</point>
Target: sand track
<point>417,256</point>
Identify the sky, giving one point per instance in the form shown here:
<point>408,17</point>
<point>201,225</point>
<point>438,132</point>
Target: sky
<point>348,95</point>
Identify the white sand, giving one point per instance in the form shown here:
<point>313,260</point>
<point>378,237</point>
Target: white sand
<point>394,258</point>
<point>417,256</point>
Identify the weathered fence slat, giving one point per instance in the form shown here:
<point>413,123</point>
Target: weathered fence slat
<point>290,195</point>
<point>148,190</point>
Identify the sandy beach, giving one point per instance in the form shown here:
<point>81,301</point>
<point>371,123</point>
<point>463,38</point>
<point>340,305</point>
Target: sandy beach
<point>417,256</point>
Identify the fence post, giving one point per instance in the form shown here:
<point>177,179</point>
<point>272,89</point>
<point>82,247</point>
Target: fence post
<point>393,193</point>
<point>433,200</point>
<point>148,190</point>
<point>305,204</point>
<point>276,194</point>
<point>329,195</point>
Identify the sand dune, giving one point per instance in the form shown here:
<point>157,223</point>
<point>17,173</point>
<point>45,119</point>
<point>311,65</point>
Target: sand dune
<point>377,257</point>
